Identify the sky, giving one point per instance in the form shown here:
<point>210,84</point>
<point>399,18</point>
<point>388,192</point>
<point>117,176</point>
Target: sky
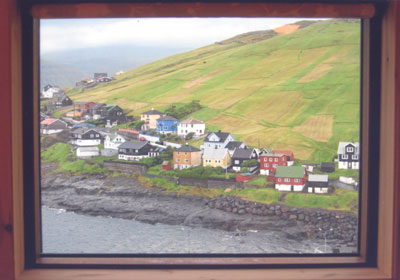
<point>190,33</point>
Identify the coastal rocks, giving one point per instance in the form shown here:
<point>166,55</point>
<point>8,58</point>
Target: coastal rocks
<point>316,223</point>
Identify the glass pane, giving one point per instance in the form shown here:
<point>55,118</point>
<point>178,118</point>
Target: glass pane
<point>200,135</point>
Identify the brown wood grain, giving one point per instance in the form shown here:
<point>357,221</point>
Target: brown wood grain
<point>6,206</point>
<point>204,10</point>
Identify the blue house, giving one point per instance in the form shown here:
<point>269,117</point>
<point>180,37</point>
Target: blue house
<point>167,124</point>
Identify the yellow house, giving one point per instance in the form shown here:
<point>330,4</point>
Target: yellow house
<point>186,156</point>
<point>216,158</point>
<point>150,118</point>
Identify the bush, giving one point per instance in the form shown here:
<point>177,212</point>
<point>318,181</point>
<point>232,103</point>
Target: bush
<point>249,163</point>
<point>181,111</point>
<point>189,136</point>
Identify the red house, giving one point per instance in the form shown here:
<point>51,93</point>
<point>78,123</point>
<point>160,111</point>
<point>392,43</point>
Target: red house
<point>166,165</point>
<point>289,155</point>
<point>270,160</point>
<point>290,178</point>
<point>83,106</point>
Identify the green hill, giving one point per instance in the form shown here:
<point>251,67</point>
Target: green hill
<point>297,91</point>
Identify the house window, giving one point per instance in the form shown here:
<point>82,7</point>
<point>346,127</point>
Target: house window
<point>279,180</point>
<point>270,159</point>
<point>266,164</point>
<point>355,157</point>
<point>350,149</point>
<point>276,159</point>
<point>275,165</point>
<point>237,161</point>
<point>178,160</point>
<point>345,156</point>
<point>91,135</point>
<point>297,180</point>
<point>287,180</point>
<point>186,160</point>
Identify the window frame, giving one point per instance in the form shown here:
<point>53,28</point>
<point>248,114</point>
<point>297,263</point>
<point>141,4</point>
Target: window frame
<point>388,245</point>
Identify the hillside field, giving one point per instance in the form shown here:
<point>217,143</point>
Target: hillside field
<point>297,91</point>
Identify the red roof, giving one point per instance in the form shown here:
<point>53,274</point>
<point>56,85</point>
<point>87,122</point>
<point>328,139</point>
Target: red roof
<point>128,130</point>
<point>48,121</point>
<point>285,152</point>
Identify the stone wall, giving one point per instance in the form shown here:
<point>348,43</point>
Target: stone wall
<point>125,167</point>
<point>317,223</point>
<point>214,183</point>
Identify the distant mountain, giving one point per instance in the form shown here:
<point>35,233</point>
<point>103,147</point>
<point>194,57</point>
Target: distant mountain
<point>109,59</point>
<point>298,90</point>
<point>62,75</point>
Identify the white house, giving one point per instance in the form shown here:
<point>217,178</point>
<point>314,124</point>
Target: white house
<point>348,155</point>
<point>52,126</point>
<point>191,126</point>
<point>85,137</point>
<point>113,141</point>
<point>217,140</point>
<point>49,91</point>
<point>317,183</point>
<point>87,152</point>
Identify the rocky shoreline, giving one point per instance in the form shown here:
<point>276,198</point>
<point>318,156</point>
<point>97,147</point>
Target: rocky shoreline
<point>124,197</point>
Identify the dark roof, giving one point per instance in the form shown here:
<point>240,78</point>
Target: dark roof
<point>327,164</point>
<point>222,136</point>
<point>97,105</point>
<point>167,118</point>
<point>83,130</point>
<point>111,107</point>
<point>133,145</point>
<point>243,153</point>
<point>152,112</point>
<point>233,145</point>
<point>187,148</point>
<point>61,97</point>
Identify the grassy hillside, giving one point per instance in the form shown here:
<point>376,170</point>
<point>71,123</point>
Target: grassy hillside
<point>297,91</point>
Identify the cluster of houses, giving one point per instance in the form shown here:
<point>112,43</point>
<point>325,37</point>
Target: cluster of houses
<point>97,78</point>
<point>220,149</point>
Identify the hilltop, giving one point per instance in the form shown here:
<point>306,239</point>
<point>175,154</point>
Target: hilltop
<point>297,91</point>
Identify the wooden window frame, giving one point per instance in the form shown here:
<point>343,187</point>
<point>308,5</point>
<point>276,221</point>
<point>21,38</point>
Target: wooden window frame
<point>13,81</point>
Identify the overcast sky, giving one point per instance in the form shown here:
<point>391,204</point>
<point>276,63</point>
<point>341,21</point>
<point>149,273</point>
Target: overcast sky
<point>63,34</point>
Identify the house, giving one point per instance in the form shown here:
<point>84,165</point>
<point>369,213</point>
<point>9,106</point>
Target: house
<point>94,112</point>
<point>167,125</point>
<point>50,91</point>
<point>52,126</point>
<point>85,137</point>
<point>348,155</point>
<point>136,150</point>
<point>105,79</point>
<point>97,76</point>
<point>290,178</point>
<point>83,106</point>
<point>317,183</point>
<point>241,155</point>
<point>191,125</point>
<point>270,160</point>
<point>74,114</point>
<point>289,156</point>
<point>310,166</point>
<point>113,141</point>
<point>327,167</point>
<point>231,146</point>
<point>63,100</point>
<point>217,140</point>
<point>216,157</point>
<point>87,152</point>
<point>186,156</point>
<point>244,177</point>
<point>166,165</point>
<point>150,119</point>
<point>43,116</point>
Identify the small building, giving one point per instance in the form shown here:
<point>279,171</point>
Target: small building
<point>95,111</point>
<point>50,91</point>
<point>166,165</point>
<point>317,183</point>
<point>216,157</point>
<point>217,140</point>
<point>98,76</point>
<point>186,156</point>
<point>310,166</point>
<point>63,100</point>
<point>167,125</point>
<point>327,167</point>
<point>244,177</point>
<point>241,155</point>
<point>87,152</point>
<point>150,118</point>
<point>136,150</point>
<point>270,160</point>
<point>290,178</point>
<point>83,106</point>
<point>191,126</point>
<point>52,126</point>
<point>348,155</point>
<point>113,141</point>
<point>85,137</point>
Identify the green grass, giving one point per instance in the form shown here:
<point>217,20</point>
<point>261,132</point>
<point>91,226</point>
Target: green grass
<point>58,152</point>
<point>81,166</point>
<point>258,180</point>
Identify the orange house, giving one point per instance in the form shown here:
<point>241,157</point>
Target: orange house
<point>186,156</point>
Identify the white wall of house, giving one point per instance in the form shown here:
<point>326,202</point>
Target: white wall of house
<point>197,129</point>
<point>128,157</point>
<point>290,163</point>
<point>51,131</point>
<point>172,144</point>
<point>181,166</point>
<point>318,190</point>
<point>264,172</point>
<point>113,144</point>
<point>50,92</point>
<point>87,142</point>
<point>345,165</point>
<point>83,153</point>
<point>283,187</point>
<point>347,180</point>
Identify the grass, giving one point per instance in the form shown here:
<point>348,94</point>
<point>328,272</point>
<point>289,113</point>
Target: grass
<point>58,152</point>
<point>261,91</point>
<point>258,180</point>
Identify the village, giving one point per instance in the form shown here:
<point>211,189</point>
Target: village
<point>160,141</point>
